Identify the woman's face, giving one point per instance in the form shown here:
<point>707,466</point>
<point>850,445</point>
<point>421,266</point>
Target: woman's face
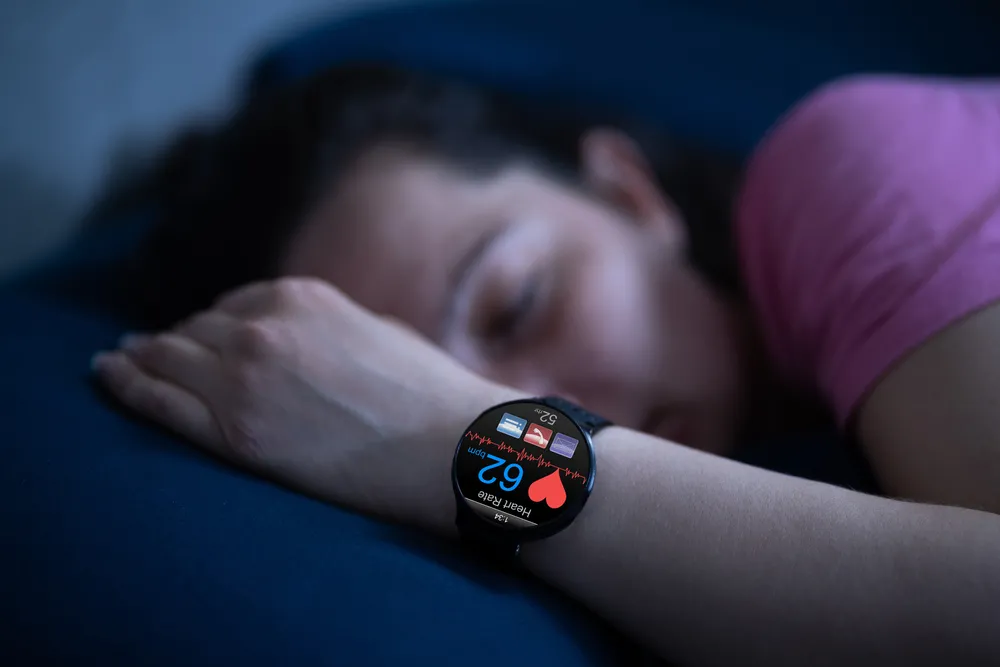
<point>547,287</point>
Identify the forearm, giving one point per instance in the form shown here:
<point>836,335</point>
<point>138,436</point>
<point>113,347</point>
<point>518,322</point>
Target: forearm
<point>710,561</point>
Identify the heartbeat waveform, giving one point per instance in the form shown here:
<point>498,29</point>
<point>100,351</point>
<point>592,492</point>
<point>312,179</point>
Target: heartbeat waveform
<point>524,455</point>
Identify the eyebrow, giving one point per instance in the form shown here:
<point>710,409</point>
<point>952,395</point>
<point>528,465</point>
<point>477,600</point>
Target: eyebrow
<point>460,273</point>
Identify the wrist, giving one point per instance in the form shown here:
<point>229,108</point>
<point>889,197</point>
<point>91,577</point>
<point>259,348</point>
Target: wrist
<point>546,557</point>
<point>437,510</point>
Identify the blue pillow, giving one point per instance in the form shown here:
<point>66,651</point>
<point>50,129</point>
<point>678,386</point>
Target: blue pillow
<point>124,546</point>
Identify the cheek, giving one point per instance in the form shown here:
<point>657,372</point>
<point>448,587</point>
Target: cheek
<point>610,320</point>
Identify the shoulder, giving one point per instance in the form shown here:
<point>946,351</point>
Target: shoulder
<point>900,129</point>
<point>858,211</point>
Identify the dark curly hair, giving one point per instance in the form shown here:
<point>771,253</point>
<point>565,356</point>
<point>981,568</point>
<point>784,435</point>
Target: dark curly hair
<point>230,198</point>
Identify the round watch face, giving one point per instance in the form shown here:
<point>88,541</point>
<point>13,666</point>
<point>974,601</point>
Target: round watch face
<point>524,467</point>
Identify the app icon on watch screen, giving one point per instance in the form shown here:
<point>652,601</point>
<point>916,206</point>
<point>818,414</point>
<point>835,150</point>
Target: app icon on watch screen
<point>564,445</point>
<point>538,435</point>
<point>511,425</point>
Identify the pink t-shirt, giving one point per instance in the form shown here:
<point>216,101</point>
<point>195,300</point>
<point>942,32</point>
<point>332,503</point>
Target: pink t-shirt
<point>869,221</point>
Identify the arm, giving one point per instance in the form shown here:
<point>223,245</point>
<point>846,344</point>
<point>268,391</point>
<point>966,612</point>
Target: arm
<point>843,572</point>
<point>702,558</point>
<point>710,561</point>
<point>931,426</point>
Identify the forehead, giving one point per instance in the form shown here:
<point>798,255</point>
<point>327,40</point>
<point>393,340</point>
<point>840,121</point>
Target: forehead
<point>393,232</point>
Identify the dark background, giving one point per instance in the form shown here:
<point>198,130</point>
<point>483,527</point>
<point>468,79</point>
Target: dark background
<point>91,88</point>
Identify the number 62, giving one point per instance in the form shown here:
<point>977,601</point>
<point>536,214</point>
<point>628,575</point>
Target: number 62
<point>512,473</point>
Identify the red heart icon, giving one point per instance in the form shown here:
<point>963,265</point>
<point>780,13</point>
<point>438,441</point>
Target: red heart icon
<point>550,489</point>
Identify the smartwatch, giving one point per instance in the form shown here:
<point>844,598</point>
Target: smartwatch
<point>523,470</point>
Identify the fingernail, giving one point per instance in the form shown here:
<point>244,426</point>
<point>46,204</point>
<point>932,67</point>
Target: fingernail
<point>130,341</point>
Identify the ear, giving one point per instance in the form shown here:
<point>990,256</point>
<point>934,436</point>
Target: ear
<point>615,169</point>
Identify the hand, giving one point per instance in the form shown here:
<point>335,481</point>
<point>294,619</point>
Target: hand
<point>294,381</point>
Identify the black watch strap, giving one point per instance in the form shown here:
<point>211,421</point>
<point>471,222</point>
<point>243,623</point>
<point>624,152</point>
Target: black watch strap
<point>587,420</point>
<point>501,552</point>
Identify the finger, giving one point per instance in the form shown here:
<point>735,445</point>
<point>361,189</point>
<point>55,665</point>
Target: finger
<point>213,329</point>
<point>159,400</point>
<point>176,359</point>
<point>252,299</point>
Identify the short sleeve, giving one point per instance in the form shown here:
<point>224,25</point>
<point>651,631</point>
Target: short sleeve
<point>868,221</point>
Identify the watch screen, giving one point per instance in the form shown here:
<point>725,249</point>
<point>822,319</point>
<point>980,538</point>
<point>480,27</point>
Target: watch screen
<point>524,466</point>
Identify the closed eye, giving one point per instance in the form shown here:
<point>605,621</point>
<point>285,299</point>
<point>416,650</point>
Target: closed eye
<point>510,321</point>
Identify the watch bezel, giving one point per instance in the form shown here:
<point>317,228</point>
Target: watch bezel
<point>476,521</point>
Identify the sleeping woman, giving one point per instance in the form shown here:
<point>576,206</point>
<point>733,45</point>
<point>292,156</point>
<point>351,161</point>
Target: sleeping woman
<point>349,272</point>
